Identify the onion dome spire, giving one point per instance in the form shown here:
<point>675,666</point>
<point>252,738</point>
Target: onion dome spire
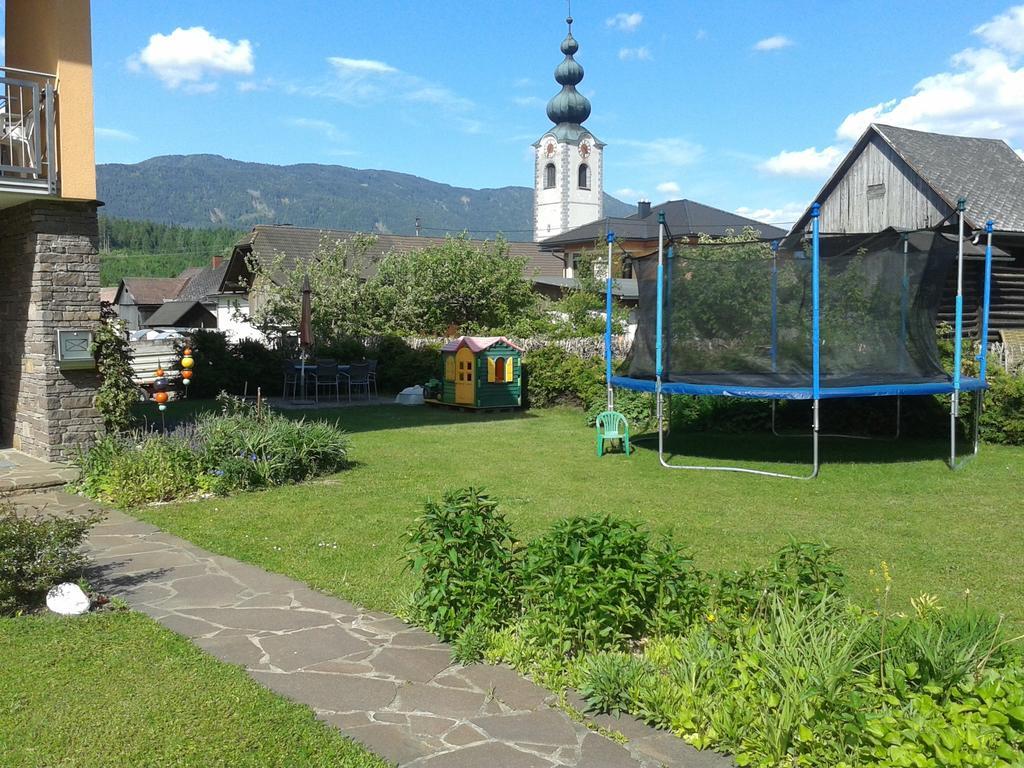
<point>569,105</point>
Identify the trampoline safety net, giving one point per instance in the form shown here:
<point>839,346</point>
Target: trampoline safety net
<point>741,315</point>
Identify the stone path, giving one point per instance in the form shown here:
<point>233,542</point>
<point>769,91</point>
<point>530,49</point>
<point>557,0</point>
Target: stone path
<point>381,682</point>
<point>20,472</point>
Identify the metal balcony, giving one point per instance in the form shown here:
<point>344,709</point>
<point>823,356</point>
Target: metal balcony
<point>28,132</point>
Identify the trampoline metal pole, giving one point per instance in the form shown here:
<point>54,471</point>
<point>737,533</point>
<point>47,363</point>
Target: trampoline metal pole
<point>659,405</point>
<point>608,327</point>
<point>954,407</point>
<point>986,303</point>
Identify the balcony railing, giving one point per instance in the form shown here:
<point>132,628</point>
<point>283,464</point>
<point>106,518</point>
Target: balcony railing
<point>28,132</point>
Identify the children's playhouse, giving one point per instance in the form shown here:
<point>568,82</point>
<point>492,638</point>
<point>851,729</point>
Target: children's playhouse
<point>481,372</point>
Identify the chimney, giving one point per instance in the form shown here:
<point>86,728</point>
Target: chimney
<point>643,208</point>
<point>216,261</point>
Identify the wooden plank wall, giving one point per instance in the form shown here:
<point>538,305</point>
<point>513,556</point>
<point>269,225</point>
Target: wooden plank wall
<point>906,203</point>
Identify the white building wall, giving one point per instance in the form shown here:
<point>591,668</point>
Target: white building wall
<point>233,319</point>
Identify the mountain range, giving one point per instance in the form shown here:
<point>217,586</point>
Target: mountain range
<point>210,190</point>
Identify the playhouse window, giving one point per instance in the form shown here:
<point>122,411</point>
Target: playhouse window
<point>510,370</point>
<point>499,369</point>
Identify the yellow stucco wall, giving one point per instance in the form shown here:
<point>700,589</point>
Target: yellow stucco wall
<point>55,36</point>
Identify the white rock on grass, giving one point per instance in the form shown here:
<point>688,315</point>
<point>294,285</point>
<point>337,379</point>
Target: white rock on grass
<point>67,599</point>
<point>410,396</point>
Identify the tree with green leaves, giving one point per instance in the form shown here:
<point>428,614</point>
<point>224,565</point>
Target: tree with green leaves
<point>471,286</point>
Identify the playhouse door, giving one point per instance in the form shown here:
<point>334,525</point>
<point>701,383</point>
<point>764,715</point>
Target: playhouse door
<point>464,384</point>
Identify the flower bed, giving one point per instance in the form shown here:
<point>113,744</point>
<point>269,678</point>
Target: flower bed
<point>239,448</point>
<point>775,665</point>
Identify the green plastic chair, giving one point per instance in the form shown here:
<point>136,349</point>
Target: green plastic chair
<point>612,426</point>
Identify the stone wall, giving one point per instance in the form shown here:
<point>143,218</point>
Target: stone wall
<point>49,279</point>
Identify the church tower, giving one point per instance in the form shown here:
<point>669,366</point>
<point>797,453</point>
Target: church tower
<point>568,181</point>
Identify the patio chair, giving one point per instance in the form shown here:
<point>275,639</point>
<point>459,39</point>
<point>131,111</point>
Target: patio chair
<point>292,376</point>
<point>326,376</point>
<point>612,426</point>
<point>358,378</point>
<point>373,375</point>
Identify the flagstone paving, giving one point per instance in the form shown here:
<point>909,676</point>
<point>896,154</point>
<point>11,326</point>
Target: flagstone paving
<point>388,685</point>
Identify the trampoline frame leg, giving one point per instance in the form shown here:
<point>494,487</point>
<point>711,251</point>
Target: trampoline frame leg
<point>954,413</point>
<point>660,408</point>
<point>895,436</point>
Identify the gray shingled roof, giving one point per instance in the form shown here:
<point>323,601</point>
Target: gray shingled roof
<point>623,287</point>
<point>176,314</point>
<point>683,217</point>
<point>985,171</point>
<point>300,243</point>
<point>204,283</point>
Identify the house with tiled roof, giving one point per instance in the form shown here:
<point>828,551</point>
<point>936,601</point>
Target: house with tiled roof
<point>907,179</point>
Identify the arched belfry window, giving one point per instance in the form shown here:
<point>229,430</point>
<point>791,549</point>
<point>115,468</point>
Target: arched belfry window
<point>584,176</point>
<point>549,176</point>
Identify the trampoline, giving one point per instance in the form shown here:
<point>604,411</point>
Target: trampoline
<point>833,316</point>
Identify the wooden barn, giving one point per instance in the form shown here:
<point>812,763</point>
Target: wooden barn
<point>906,179</point>
<point>481,372</point>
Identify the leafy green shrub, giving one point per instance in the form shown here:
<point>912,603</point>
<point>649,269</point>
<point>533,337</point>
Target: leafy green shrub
<point>215,369</point>
<point>463,552</point>
<point>37,554</point>
<point>611,680</point>
<point>800,570</point>
<point>400,366</point>
<point>596,583</point>
<point>472,643</point>
<point>239,448</point>
<point>252,448</point>
<point>555,376</point>
<point>140,468</point>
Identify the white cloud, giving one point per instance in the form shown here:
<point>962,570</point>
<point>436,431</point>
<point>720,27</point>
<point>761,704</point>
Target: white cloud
<point>787,214</point>
<point>804,162</point>
<point>642,53</point>
<point>190,56</point>
<point>360,65</point>
<point>668,152</point>
<point>1005,31</point>
<point>115,134</point>
<point>522,82</point>
<point>982,94</point>
<point>668,188</point>
<point>3,45</point>
<point>325,128</point>
<point>629,193</point>
<point>439,96</point>
<point>625,22</point>
<point>773,43</point>
<point>1020,152</point>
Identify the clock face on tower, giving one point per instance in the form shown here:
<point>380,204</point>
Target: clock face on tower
<point>549,150</point>
<point>584,150</point>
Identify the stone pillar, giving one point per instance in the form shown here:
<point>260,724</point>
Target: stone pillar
<point>49,279</point>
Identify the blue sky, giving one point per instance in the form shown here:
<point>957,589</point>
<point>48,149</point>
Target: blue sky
<point>742,105</point>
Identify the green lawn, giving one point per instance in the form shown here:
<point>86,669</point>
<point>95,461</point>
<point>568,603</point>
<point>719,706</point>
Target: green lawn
<point>941,532</point>
<point>117,689</point>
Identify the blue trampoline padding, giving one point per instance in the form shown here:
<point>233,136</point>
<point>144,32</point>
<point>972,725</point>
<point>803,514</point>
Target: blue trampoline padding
<point>798,393</point>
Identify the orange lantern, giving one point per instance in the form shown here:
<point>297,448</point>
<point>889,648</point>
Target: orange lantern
<point>160,397</point>
<point>186,375</point>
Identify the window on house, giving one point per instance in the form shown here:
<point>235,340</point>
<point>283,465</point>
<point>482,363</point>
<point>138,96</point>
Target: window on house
<point>549,176</point>
<point>584,176</point>
<point>499,369</point>
<point>876,191</point>
<point>574,260</point>
<point>627,268</point>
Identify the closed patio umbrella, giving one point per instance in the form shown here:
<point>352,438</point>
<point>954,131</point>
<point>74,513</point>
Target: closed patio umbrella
<point>305,329</point>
